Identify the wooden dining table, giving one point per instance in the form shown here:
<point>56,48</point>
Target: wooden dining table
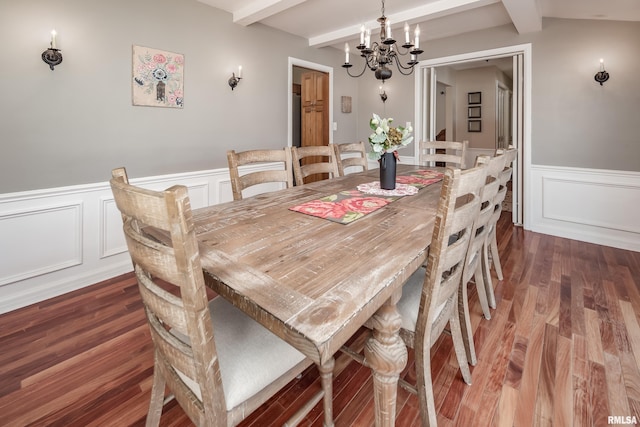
<point>315,282</point>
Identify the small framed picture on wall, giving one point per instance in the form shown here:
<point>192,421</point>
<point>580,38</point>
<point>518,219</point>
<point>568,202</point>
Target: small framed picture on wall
<point>474,126</point>
<point>474,98</point>
<point>474,112</point>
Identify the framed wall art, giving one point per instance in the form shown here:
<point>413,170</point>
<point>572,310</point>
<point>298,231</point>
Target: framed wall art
<point>474,98</point>
<point>346,104</point>
<point>157,78</point>
<point>474,126</point>
<point>474,112</point>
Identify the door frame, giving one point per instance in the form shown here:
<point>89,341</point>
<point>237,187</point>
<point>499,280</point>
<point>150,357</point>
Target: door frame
<point>522,180</point>
<point>312,66</point>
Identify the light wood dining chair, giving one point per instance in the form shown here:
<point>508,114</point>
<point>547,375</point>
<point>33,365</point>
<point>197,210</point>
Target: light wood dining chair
<point>219,364</point>
<point>355,155</point>
<point>430,297</point>
<point>448,153</point>
<point>490,254</point>
<point>473,268</point>
<point>314,163</point>
<point>283,175</point>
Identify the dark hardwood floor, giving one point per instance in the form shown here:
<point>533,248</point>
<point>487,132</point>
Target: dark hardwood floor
<point>562,348</point>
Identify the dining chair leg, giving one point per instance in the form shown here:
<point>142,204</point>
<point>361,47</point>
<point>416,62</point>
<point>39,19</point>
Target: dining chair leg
<point>482,291</point>
<point>486,276</point>
<point>458,346</point>
<point>465,325</point>
<point>424,386</point>
<point>495,256</point>
<point>157,398</point>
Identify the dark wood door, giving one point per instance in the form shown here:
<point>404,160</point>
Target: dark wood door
<point>315,114</point>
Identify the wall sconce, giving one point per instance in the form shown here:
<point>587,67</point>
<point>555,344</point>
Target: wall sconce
<point>383,95</point>
<point>52,56</point>
<point>601,76</point>
<point>234,80</point>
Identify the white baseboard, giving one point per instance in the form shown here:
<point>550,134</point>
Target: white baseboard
<point>590,205</point>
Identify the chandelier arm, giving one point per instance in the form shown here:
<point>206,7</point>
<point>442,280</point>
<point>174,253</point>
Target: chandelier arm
<point>406,51</point>
<point>361,73</point>
<point>402,69</point>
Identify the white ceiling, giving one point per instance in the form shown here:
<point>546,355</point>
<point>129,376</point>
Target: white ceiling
<point>334,22</point>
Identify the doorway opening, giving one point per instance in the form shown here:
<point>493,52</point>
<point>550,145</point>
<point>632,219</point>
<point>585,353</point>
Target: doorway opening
<point>428,91</point>
<point>296,127</point>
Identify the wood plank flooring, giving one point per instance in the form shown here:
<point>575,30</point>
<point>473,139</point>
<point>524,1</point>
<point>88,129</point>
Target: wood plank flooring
<point>562,349</point>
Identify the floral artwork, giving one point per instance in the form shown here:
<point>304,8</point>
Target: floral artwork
<point>158,78</point>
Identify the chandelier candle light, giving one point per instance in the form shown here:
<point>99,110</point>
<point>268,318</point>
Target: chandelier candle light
<point>378,56</point>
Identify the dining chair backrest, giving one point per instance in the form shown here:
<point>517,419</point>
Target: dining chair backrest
<point>510,157</point>
<point>492,243</point>
<point>473,264</point>
<point>458,208</point>
<point>217,375</point>
<point>504,177</point>
<point>314,163</point>
<point>430,297</point>
<point>494,167</point>
<point>282,175</point>
<point>447,153</point>
<point>186,312</point>
<point>351,155</point>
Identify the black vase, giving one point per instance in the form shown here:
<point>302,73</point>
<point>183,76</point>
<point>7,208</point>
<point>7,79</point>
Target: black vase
<point>388,171</point>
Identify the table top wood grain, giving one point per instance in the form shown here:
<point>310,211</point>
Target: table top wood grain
<point>312,281</point>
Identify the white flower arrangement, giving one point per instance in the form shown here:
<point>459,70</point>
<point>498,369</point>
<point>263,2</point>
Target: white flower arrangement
<point>387,139</point>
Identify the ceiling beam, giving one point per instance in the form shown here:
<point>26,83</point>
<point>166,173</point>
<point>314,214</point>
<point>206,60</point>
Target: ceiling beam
<point>524,14</point>
<point>261,9</point>
<point>426,12</point>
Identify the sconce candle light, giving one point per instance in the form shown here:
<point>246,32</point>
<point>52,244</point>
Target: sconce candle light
<point>234,80</point>
<point>601,76</point>
<point>52,56</point>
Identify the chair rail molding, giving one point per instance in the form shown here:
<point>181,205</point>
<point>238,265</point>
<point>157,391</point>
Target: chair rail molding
<point>591,205</point>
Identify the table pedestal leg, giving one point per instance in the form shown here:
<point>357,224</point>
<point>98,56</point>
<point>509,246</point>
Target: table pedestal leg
<point>386,354</point>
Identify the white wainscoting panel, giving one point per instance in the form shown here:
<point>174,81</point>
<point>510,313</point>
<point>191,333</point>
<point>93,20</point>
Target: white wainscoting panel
<point>42,249</point>
<point>591,205</point>
<point>57,240</point>
<point>61,239</point>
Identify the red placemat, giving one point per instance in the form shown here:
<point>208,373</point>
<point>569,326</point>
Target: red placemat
<point>348,206</point>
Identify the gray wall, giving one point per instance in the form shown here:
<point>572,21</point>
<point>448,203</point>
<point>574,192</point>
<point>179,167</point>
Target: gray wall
<point>73,125</point>
<point>575,121</point>
<point>399,105</point>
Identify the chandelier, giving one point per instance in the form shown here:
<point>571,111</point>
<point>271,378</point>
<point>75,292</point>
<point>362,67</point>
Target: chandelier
<point>379,56</point>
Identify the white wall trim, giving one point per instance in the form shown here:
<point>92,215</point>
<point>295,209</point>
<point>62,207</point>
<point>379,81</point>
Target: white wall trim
<point>61,239</point>
<point>590,205</point>
<point>596,206</point>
